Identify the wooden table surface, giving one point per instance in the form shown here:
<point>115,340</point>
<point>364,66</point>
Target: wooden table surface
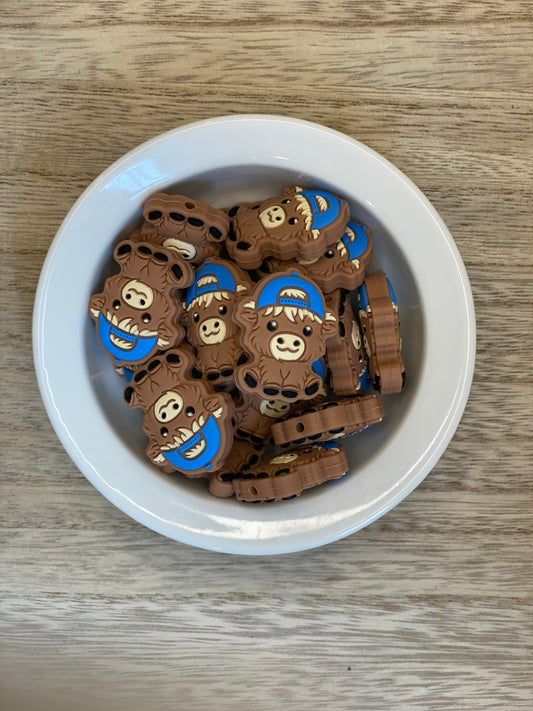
<point>429,607</point>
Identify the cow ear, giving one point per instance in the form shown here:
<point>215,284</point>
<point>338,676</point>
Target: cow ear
<point>96,304</point>
<point>304,235</point>
<point>347,267</point>
<point>329,325</point>
<point>123,251</point>
<point>168,334</point>
<point>288,192</point>
<point>246,312</point>
<point>153,450</point>
<point>212,404</point>
<point>216,405</point>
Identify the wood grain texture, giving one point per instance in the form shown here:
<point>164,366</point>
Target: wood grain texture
<point>430,607</point>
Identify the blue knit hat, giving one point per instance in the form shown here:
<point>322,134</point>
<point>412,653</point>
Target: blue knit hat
<point>223,281</point>
<point>270,294</point>
<point>322,218</point>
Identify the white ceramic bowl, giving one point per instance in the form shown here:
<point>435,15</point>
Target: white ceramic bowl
<point>223,161</point>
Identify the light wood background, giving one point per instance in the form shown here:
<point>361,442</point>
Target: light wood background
<point>431,606</point>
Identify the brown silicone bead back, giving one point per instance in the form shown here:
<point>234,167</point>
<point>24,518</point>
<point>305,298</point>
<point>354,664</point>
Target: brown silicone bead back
<point>289,474</point>
<point>345,351</point>
<point>328,421</point>
<point>380,325</point>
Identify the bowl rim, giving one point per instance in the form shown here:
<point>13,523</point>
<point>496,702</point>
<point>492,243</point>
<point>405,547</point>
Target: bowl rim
<point>242,546</point>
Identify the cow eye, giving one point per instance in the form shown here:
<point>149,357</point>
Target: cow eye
<point>164,432</point>
<point>307,330</point>
<point>272,325</point>
<point>222,310</point>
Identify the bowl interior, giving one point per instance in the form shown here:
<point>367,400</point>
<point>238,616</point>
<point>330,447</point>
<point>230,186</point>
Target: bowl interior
<point>223,188</point>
